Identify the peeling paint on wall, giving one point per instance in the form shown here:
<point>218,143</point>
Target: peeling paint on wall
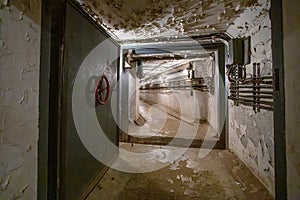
<point>251,134</point>
<point>19,75</point>
<point>30,8</point>
<point>4,3</point>
<point>141,19</point>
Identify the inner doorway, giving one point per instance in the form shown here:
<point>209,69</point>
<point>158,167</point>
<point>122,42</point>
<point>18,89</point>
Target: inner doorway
<point>173,83</point>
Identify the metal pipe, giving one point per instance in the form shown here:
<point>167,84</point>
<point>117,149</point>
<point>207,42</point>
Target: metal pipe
<point>250,91</point>
<point>175,87</point>
<point>258,84</point>
<point>263,77</point>
<point>254,87</point>
<point>248,100</point>
<point>251,96</point>
<point>270,108</point>
<point>168,56</point>
<point>249,86</point>
<point>251,81</point>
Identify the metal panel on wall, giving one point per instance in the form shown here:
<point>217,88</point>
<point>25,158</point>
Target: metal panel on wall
<point>79,170</point>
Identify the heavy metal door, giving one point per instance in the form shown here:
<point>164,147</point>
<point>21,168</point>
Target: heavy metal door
<point>79,169</point>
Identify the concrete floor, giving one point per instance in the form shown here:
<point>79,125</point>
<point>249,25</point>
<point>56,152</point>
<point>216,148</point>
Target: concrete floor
<point>160,123</point>
<point>220,175</point>
<point>161,128</point>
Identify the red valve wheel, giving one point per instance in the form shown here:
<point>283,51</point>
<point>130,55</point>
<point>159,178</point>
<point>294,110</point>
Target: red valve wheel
<point>102,90</point>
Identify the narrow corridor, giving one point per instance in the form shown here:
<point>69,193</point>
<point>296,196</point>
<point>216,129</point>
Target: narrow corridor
<point>220,175</point>
<point>216,81</point>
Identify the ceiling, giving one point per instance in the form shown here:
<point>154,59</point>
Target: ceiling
<point>137,21</point>
<point>162,67</point>
<point>165,59</point>
<point>143,19</point>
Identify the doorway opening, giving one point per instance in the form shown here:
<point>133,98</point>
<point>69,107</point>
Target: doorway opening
<point>172,85</point>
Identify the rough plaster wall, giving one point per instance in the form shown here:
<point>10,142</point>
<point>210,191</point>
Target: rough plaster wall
<point>19,75</point>
<point>251,134</point>
<point>291,22</point>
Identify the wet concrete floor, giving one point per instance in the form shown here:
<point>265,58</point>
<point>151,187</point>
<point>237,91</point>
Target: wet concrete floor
<point>219,175</point>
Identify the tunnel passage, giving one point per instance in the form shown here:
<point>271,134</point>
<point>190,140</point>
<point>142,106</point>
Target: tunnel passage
<point>169,89</point>
<point>166,93</point>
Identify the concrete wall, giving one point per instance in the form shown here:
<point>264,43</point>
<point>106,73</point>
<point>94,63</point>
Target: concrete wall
<point>19,90</point>
<point>291,28</point>
<point>180,103</point>
<point>208,70</point>
<point>133,95</point>
<point>192,105</point>
<point>251,134</point>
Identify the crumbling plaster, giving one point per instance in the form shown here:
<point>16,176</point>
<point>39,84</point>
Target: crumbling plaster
<point>142,19</point>
<point>251,135</point>
<point>19,90</point>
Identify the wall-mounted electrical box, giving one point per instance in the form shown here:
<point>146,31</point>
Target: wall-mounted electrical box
<point>240,51</point>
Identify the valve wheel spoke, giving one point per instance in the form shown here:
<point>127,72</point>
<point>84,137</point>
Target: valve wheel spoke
<point>102,90</point>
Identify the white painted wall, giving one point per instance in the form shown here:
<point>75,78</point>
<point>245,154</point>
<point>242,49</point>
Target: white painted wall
<point>291,28</point>
<point>134,86</point>
<point>192,105</point>
<point>208,70</point>
<point>19,90</point>
<point>180,103</point>
<point>251,135</point>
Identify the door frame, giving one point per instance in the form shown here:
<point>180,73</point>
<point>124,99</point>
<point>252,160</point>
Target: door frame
<point>50,97</point>
<point>219,48</point>
<point>51,63</point>
<point>279,100</point>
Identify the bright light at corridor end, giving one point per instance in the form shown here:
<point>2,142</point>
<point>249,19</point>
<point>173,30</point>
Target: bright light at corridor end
<point>93,136</point>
